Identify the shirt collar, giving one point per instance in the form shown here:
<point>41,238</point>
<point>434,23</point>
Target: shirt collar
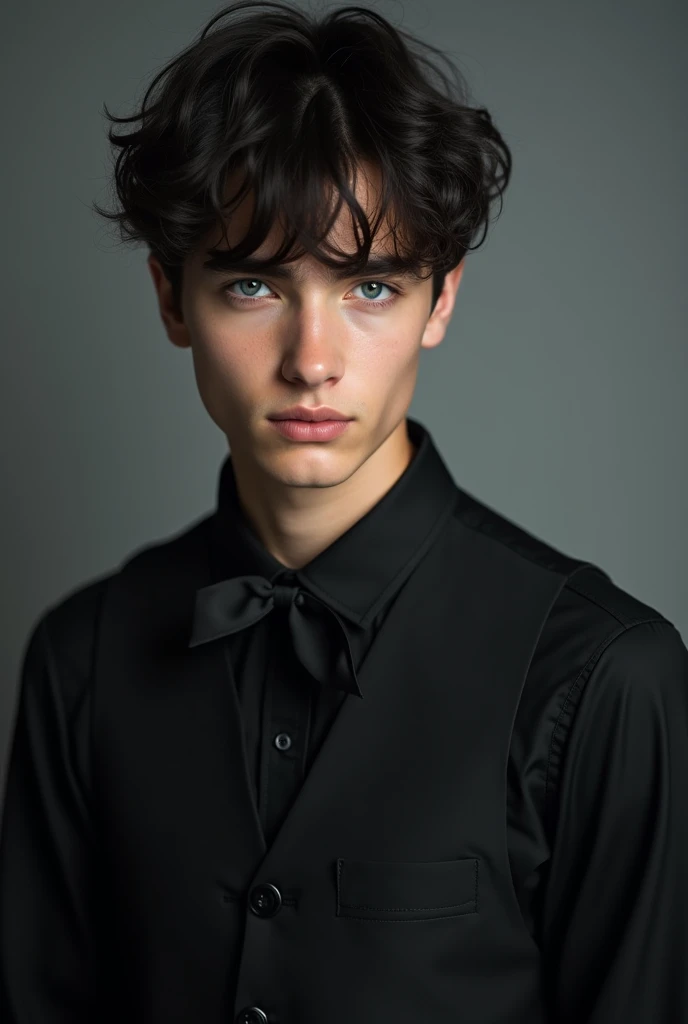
<point>363,568</point>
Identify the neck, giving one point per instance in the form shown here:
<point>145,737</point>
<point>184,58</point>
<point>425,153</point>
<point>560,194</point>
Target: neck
<point>296,523</point>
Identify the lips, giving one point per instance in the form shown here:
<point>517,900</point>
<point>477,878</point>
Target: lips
<point>308,430</point>
<point>325,413</point>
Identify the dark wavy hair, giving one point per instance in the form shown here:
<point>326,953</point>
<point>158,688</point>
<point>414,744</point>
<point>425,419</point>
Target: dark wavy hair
<point>294,103</point>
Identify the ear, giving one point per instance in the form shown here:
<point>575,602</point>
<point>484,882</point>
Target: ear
<point>444,307</point>
<point>171,315</point>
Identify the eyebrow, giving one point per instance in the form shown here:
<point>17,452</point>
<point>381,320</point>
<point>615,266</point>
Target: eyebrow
<point>221,262</point>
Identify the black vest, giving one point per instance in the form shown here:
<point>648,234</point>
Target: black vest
<point>386,895</point>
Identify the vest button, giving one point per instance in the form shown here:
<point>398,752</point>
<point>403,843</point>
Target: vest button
<point>265,900</point>
<point>251,1015</point>
<point>282,741</point>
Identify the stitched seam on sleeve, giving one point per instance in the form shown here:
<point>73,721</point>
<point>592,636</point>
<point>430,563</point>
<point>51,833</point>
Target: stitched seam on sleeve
<point>585,673</point>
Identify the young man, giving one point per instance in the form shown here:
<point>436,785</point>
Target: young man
<point>353,747</point>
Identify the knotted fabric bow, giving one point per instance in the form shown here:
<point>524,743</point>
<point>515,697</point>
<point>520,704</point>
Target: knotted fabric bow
<point>321,642</point>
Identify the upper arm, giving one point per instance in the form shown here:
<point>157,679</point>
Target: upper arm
<point>615,909</point>
<point>47,853</point>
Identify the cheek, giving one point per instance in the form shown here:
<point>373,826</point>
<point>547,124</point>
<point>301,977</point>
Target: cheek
<point>221,360</point>
<point>391,374</point>
<point>222,376</point>
<point>392,360</point>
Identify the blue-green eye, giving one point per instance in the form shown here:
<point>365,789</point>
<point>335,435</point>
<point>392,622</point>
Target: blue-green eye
<point>375,284</point>
<point>251,281</point>
<point>255,284</point>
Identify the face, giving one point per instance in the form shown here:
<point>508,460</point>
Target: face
<point>262,343</point>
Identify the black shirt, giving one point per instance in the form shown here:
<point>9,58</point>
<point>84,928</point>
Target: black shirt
<point>598,760</point>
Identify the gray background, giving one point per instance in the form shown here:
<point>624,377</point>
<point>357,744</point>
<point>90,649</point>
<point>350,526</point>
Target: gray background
<point>557,397</point>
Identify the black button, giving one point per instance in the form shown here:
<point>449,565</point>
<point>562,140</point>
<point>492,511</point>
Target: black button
<point>251,1015</point>
<point>265,900</point>
<point>282,741</point>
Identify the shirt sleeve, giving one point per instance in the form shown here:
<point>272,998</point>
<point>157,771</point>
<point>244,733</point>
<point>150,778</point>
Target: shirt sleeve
<point>615,912</point>
<point>47,956</point>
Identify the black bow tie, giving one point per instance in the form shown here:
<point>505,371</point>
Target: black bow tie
<point>319,636</point>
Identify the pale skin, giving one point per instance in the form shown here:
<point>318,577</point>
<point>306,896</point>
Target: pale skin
<point>307,341</point>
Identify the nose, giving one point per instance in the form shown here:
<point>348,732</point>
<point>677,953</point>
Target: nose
<point>315,347</point>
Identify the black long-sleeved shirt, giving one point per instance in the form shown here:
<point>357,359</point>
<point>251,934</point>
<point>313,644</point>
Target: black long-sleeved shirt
<point>598,760</point>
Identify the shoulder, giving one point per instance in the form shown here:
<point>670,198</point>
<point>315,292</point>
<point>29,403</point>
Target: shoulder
<point>600,644</point>
<point>58,651</point>
<point>62,639</point>
<point>600,637</point>
<point>633,685</point>
<point>591,615</point>
<point>593,620</point>
<point>72,619</point>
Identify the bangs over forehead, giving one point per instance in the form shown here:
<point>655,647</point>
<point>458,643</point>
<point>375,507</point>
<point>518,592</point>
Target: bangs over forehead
<point>303,214</point>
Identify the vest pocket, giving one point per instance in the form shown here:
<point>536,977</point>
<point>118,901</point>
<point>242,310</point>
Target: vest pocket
<point>406,890</point>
